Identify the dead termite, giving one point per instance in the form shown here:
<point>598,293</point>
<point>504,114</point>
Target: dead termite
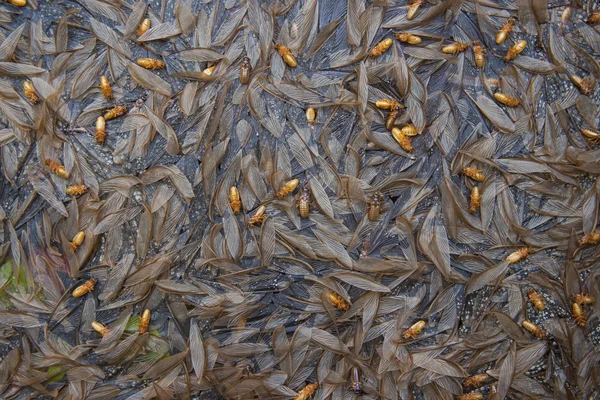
<point>504,31</point>
<point>414,330</point>
<point>338,301</point>
<point>84,289</point>
<point>288,188</point>
<point>536,299</point>
<point>514,51</point>
<point>381,47</point>
<point>474,173</point>
<point>98,327</point>
<point>519,255</point>
<point>287,55</point>
<point>534,329</point>
<point>77,240</point>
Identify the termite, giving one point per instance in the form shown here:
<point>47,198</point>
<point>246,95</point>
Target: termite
<point>288,188</point>
<point>311,115</point>
<point>471,396</point>
<point>375,206</point>
<point>536,299</point>
<point>209,70</point>
<point>381,47</point>
<point>115,112</point>
<point>84,289</point>
<point>479,54</point>
<point>391,118</point>
<point>578,315</point>
<point>507,100</point>
<point>18,3</point>
<point>98,327</point>
<point>258,217</point>
<point>100,132</point>
<point>474,173</point>
<point>57,169</point>
<point>387,104</point>
<point>514,51</point>
<point>356,380</point>
<point>584,298</point>
<point>534,329</point>
<point>144,322</point>
<point>519,255</point>
<point>76,190</point>
<point>476,381</point>
<point>77,240</point>
<point>402,139</point>
<point>475,199</point>
<point>593,19</point>
<point>150,63</point>
<point>29,91</point>
<point>413,8</point>
<point>591,134</point>
<point>105,88</point>
<point>304,202</point>
<point>585,85</point>
<point>409,130</point>
<point>338,301</point>
<point>287,55</point>
<point>408,38</point>
<point>245,71</point>
<point>414,330</point>
<point>143,27</point>
<point>306,391</point>
<point>456,47</point>
<point>504,31</point>
<point>234,200</point>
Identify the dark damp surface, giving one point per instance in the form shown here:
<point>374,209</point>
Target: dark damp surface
<point>233,306</point>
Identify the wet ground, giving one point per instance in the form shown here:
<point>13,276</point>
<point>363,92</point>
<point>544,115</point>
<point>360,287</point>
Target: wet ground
<point>389,273</point>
